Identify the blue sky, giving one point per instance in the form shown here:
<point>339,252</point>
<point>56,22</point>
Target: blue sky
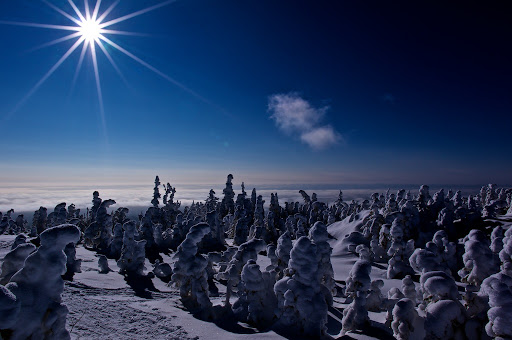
<point>326,92</point>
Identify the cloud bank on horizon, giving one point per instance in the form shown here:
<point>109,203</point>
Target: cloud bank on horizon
<point>294,116</point>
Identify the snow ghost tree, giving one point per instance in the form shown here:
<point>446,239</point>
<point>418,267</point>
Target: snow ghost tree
<point>190,272</point>
<point>256,303</point>
<point>479,260</point>
<point>38,286</point>
<point>319,235</point>
<point>245,252</point>
<point>133,253</point>
<point>72,264</point>
<point>14,260</point>
<point>156,193</point>
<point>355,316</point>
<point>103,265</point>
<point>500,301</point>
<point>404,316</point>
<point>228,203</point>
<point>302,300</point>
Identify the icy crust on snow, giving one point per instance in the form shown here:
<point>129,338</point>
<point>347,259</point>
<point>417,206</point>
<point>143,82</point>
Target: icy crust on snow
<point>38,287</point>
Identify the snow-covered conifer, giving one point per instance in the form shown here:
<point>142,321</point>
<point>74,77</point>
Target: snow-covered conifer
<point>497,235</point>
<point>14,260</point>
<point>103,265</point>
<point>404,317</point>
<point>319,235</point>
<point>374,298</point>
<point>255,303</point>
<point>133,253</point>
<point>38,287</point>
<point>73,265</point>
<point>355,316</point>
<point>409,289</point>
<point>156,193</point>
<point>189,272</point>
<point>302,300</point>
<point>479,260</point>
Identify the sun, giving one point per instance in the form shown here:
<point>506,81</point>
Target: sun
<point>90,30</point>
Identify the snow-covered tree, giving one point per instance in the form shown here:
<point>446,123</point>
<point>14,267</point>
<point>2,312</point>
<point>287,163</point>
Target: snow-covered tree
<point>319,235</point>
<point>133,253</point>
<point>156,193</point>
<point>479,260</point>
<point>404,317</point>
<point>302,299</point>
<point>256,300</point>
<point>245,252</point>
<point>14,260</point>
<point>355,316</point>
<point>189,273</point>
<point>38,287</point>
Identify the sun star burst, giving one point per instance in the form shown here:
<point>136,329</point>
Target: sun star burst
<point>91,29</point>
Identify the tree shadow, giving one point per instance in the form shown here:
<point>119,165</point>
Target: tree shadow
<point>142,285</point>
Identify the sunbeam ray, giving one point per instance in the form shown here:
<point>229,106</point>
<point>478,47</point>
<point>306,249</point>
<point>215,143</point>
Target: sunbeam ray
<point>77,11</point>
<point>46,76</point>
<point>96,10</point>
<point>56,41</point>
<point>112,62</point>
<point>117,32</point>
<point>49,4</point>
<point>98,88</point>
<point>87,10</point>
<point>135,14</point>
<point>33,24</point>
<point>78,67</point>
<point>107,11</point>
<point>155,70</point>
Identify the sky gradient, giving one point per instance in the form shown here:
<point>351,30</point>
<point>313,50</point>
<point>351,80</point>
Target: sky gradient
<point>275,92</point>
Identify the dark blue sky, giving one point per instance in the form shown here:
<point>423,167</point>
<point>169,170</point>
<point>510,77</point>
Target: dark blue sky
<point>385,92</point>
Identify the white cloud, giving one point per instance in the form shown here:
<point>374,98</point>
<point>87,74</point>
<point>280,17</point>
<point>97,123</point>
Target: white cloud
<point>321,137</point>
<point>295,116</point>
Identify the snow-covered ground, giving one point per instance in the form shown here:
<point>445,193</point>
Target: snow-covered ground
<point>104,306</point>
<point>414,267</point>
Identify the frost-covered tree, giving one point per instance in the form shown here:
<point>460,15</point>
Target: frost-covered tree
<point>283,249</point>
<point>133,252</point>
<point>355,316</point>
<point>479,260</point>
<point>39,221</point>
<point>500,301</point>
<point>399,253</point>
<point>189,273</point>
<point>404,317</point>
<point>14,260</point>
<point>302,300</point>
<point>256,300</point>
<point>103,265</point>
<point>38,287</point>
<point>319,235</point>
<point>98,234</point>
<point>445,315</point>
<point>228,203</point>
<point>409,289</point>
<point>245,252</point>
<point>374,298</point>
<point>497,235</point>
<point>73,265</point>
<point>156,193</point>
